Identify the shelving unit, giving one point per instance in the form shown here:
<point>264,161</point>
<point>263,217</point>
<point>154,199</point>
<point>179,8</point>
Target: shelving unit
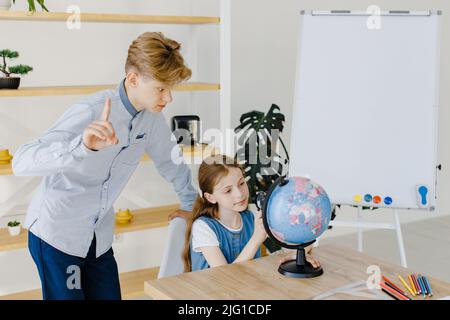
<point>143,219</point>
<point>105,18</point>
<point>132,283</point>
<point>188,152</point>
<point>81,90</point>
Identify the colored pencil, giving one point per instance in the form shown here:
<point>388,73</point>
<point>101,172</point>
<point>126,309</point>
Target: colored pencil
<point>412,285</point>
<point>406,285</point>
<point>388,288</point>
<point>430,292</point>
<point>419,291</point>
<point>422,285</point>
<point>389,294</point>
<point>394,286</point>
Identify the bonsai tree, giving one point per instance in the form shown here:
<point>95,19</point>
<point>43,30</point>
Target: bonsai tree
<point>32,5</point>
<point>18,69</point>
<point>13,223</point>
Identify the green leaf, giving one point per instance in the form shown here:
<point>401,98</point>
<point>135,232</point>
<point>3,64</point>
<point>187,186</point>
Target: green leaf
<point>13,223</point>
<point>31,6</point>
<point>20,69</point>
<point>41,3</point>
<point>9,54</point>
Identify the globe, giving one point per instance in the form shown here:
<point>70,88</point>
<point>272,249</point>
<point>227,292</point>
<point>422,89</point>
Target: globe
<point>296,211</point>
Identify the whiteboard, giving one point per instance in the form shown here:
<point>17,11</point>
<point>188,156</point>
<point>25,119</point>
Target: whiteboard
<point>365,108</point>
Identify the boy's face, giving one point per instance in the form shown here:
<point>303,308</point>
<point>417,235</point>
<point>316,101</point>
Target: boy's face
<point>147,93</point>
<point>231,192</point>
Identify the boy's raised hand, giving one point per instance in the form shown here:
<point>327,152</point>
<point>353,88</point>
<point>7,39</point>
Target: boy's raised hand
<point>100,133</point>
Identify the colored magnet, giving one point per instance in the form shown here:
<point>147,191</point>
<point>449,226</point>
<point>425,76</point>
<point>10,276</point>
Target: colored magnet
<point>357,198</point>
<point>377,199</point>
<point>387,200</point>
<point>367,198</point>
<point>422,193</point>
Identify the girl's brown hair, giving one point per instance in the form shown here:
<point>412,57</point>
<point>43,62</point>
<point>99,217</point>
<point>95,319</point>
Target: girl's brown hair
<point>210,172</point>
<point>155,56</point>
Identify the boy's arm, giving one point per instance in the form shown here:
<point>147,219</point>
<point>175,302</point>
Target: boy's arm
<point>59,149</point>
<point>169,162</point>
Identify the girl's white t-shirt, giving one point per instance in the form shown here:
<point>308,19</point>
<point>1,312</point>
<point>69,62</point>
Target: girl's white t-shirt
<point>204,236</point>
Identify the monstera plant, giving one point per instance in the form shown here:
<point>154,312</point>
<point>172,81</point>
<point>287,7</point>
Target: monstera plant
<point>258,137</point>
<point>258,140</point>
<point>259,152</point>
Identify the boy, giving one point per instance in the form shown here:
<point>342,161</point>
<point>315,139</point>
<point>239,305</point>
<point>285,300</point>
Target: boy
<point>87,158</point>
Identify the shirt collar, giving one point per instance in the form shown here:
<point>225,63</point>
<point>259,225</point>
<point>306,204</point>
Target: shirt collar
<point>125,101</point>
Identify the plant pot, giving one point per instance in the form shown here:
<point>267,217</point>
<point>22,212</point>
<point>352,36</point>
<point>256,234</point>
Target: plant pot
<point>15,231</point>
<point>5,5</point>
<point>9,83</point>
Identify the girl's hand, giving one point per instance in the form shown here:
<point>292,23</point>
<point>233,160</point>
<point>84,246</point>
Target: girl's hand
<point>259,233</point>
<point>314,262</point>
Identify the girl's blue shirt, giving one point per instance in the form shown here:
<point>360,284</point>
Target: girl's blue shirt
<point>231,243</point>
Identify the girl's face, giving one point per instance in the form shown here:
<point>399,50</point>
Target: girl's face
<point>231,192</point>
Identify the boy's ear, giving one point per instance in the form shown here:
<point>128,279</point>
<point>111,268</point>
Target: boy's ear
<point>209,197</point>
<point>133,78</point>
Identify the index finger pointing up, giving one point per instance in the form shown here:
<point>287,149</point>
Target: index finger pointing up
<point>106,110</point>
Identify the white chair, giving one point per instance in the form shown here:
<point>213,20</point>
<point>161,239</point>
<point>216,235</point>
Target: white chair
<point>172,261</point>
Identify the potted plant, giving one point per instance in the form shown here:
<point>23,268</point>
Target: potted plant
<point>32,5</point>
<point>9,82</point>
<point>14,228</point>
<point>6,5</point>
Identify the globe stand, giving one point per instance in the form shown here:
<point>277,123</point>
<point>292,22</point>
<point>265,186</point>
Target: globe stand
<point>299,268</point>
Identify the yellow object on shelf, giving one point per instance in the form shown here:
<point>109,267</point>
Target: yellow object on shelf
<point>5,156</point>
<point>123,216</point>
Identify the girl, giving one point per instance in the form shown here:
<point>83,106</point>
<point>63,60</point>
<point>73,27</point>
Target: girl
<point>221,229</point>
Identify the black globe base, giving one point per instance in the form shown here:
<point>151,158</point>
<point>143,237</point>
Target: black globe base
<point>293,270</point>
<point>300,268</point>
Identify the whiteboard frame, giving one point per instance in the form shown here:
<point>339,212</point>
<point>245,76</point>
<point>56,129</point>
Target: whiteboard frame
<point>438,13</point>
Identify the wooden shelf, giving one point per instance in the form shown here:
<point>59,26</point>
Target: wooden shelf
<point>202,151</point>
<point>105,18</point>
<point>143,219</point>
<point>131,284</point>
<point>5,169</point>
<point>81,90</point>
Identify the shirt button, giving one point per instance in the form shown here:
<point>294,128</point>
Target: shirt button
<point>105,187</point>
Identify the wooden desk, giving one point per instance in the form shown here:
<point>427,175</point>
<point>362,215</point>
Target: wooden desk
<point>259,279</point>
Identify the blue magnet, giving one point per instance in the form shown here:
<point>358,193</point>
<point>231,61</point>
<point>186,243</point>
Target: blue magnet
<point>367,198</point>
<point>387,200</point>
<point>422,196</point>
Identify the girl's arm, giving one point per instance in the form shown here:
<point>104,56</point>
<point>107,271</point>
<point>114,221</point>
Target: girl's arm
<point>215,257</point>
<point>258,237</point>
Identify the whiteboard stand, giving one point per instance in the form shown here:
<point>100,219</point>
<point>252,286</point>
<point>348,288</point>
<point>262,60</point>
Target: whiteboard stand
<point>360,224</point>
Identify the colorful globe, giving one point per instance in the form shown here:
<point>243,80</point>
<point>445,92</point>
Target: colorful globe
<point>297,211</point>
